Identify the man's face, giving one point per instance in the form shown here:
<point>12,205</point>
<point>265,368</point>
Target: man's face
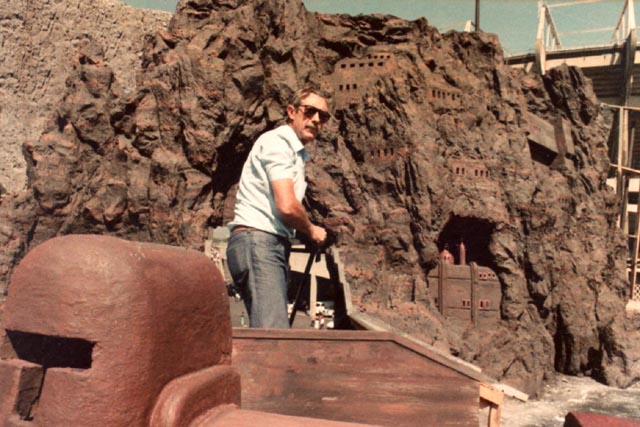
<point>308,118</point>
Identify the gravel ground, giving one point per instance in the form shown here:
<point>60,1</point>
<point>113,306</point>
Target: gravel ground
<point>566,394</point>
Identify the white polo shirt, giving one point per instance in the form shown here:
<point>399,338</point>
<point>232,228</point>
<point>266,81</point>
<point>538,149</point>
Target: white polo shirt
<point>277,154</point>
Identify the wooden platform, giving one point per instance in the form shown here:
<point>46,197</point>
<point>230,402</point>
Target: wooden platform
<point>358,376</point>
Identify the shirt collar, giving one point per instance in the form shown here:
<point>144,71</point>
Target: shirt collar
<point>289,134</point>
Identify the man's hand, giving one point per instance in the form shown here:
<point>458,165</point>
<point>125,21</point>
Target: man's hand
<point>318,235</point>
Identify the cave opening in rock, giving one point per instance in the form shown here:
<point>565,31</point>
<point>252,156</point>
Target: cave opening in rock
<point>475,233</point>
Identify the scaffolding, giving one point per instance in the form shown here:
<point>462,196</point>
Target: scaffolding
<point>626,181</point>
<point>624,152</point>
<point>549,38</point>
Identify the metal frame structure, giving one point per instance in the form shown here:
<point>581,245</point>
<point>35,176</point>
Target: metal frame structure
<point>548,36</point>
<point>623,174</point>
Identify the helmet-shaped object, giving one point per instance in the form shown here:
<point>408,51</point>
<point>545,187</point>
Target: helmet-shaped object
<point>106,323</point>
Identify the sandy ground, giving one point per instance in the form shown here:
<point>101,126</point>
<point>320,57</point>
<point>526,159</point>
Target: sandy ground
<point>565,394</point>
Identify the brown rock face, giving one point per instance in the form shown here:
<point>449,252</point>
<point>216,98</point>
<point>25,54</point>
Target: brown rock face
<point>37,40</point>
<point>434,142</point>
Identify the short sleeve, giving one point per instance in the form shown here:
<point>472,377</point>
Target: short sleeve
<point>278,159</point>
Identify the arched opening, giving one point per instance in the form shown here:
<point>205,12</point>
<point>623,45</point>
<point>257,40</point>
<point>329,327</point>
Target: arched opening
<point>475,233</point>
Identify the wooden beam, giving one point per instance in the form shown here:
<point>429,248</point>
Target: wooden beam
<point>634,260</point>
<point>625,107</point>
<point>492,398</point>
<point>625,169</point>
<point>540,50</point>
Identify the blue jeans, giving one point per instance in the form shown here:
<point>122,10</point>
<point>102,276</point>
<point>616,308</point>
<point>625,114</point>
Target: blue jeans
<point>259,265</point>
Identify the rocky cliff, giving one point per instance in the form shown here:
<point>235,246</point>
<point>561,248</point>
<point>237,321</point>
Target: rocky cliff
<point>37,40</point>
<point>434,142</point>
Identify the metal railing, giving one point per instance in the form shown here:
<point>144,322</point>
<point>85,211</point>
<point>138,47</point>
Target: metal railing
<point>626,23</point>
<point>549,37</point>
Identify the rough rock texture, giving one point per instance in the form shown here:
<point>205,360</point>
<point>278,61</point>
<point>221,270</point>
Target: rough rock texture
<point>37,39</point>
<point>434,141</point>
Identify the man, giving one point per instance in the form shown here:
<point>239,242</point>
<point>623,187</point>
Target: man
<point>269,209</point>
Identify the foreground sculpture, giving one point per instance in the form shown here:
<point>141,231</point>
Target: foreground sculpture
<point>107,332</point>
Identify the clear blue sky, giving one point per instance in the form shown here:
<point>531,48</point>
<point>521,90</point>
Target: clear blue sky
<point>515,21</point>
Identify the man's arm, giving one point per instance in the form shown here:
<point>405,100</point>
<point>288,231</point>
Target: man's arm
<point>293,213</point>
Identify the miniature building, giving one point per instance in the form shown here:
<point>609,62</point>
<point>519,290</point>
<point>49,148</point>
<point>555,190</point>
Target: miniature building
<point>475,174</point>
<point>441,95</point>
<point>470,169</point>
<point>466,292</point>
<point>352,77</point>
<point>445,256</point>
<point>382,152</point>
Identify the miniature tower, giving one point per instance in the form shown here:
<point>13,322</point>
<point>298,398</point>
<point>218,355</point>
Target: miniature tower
<point>446,256</point>
<point>462,250</point>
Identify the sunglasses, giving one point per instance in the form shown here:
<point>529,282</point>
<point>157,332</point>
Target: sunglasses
<point>310,111</point>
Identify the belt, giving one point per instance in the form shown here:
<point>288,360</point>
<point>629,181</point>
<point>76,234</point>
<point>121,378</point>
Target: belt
<point>241,228</point>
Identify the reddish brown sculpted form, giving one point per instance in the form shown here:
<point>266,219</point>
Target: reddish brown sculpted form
<point>584,419</point>
<point>120,320</point>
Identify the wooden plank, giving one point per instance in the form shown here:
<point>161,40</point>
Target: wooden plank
<point>378,382</point>
<point>385,333</point>
<point>493,398</point>
<point>298,261</point>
